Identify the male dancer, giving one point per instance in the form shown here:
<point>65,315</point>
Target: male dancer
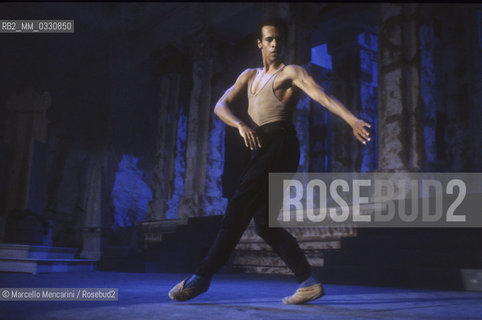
<point>272,94</point>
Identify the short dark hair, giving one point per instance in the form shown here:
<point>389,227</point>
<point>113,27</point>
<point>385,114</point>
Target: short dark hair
<point>277,22</point>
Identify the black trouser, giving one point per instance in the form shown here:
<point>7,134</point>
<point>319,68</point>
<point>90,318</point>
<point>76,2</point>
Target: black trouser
<point>280,152</point>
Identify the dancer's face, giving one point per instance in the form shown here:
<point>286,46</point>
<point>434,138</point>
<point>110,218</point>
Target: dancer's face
<point>272,44</point>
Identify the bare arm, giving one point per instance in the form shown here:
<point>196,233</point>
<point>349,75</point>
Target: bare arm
<point>305,82</point>
<point>223,111</point>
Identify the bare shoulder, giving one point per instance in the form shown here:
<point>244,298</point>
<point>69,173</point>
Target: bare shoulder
<point>245,76</point>
<point>294,71</point>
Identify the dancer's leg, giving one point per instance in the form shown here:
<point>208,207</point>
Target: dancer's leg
<point>246,200</point>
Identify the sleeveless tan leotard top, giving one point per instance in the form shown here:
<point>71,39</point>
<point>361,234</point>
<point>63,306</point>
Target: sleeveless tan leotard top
<point>264,107</point>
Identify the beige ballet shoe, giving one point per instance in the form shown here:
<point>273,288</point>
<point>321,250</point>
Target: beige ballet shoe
<point>179,293</point>
<point>304,295</point>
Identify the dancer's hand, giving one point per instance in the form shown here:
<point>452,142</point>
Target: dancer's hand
<point>251,139</point>
<point>360,133</point>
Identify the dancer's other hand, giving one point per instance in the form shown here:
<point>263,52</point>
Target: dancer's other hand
<point>251,138</point>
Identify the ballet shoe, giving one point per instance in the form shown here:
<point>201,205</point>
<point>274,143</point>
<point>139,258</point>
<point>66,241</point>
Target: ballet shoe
<point>180,293</point>
<point>304,295</point>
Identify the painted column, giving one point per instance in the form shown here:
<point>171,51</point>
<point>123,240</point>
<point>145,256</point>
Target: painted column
<point>26,124</point>
<point>25,136</point>
<point>164,172</point>
<point>400,123</point>
<point>190,204</point>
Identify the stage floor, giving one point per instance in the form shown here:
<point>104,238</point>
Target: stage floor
<point>231,296</point>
